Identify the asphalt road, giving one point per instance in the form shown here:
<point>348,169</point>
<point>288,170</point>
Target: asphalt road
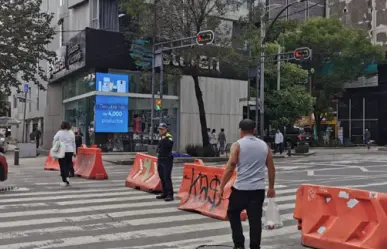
<point>40,214</point>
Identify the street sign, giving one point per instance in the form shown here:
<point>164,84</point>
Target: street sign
<point>205,37</point>
<point>302,53</point>
<point>26,86</point>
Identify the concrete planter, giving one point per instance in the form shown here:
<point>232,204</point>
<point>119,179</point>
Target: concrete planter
<point>27,150</point>
<point>302,149</point>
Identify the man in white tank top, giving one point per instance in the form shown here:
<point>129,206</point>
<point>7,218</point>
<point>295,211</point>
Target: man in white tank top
<point>249,156</point>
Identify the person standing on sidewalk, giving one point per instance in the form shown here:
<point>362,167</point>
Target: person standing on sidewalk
<point>278,142</point>
<point>222,141</point>
<point>165,162</point>
<point>249,156</point>
<point>66,136</point>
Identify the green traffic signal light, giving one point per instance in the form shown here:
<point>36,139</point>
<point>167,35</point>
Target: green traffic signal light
<point>158,105</point>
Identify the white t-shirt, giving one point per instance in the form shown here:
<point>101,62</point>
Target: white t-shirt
<point>68,138</point>
<point>279,138</point>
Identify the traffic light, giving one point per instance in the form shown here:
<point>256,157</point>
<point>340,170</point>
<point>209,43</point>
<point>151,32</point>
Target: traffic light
<point>205,37</point>
<point>158,104</point>
<point>302,53</point>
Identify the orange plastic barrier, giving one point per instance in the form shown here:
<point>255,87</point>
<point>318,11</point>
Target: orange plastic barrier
<point>51,164</point>
<point>181,190</point>
<point>198,161</point>
<point>88,164</point>
<point>199,191</point>
<point>144,175</point>
<point>341,218</point>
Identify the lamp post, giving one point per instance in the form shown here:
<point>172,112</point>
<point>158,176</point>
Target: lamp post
<point>260,81</point>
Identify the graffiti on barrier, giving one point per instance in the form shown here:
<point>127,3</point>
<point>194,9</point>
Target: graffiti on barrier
<point>203,188</point>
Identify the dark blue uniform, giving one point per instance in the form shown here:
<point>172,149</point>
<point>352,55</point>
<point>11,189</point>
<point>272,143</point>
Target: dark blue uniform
<point>164,166</point>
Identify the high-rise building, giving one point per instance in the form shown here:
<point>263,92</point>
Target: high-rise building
<point>298,11</point>
<point>370,15</point>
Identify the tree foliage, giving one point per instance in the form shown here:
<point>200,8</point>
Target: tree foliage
<point>170,20</point>
<point>340,55</point>
<point>25,32</point>
<point>292,101</point>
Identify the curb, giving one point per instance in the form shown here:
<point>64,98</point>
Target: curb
<point>176,160</point>
<point>310,153</point>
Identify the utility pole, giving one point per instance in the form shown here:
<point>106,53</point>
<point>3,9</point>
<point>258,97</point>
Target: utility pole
<point>153,70</point>
<point>279,69</point>
<point>262,86</point>
<point>161,86</point>
<point>250,6</point>
<point>26,88</point>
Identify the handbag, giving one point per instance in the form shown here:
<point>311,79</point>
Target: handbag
<point>58,150</point>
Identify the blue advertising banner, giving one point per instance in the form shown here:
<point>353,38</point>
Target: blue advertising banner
<point>111,114</point>
<point>116,83</point>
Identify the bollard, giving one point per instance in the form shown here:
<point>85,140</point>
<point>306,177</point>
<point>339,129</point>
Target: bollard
<point>16,157</point>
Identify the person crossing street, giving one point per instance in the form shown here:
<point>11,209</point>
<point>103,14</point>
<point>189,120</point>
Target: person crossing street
<point>165,162</point>
<point>249,157</point>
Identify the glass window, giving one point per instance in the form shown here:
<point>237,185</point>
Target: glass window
<point>139,123</point>
<point>356,107</point>
<point>141,82</point>
<point>80,114</point>
<point>80,84</point>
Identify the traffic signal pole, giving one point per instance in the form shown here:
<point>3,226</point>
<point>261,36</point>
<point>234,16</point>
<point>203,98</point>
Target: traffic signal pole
<point>202,38</point>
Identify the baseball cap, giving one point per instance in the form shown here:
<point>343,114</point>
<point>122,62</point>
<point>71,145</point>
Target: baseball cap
<point>163,126</point>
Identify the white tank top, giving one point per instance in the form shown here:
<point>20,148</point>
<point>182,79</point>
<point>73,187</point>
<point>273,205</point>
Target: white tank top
<point>251,164</point>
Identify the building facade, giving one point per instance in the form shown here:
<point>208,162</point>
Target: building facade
<point>92,57</point>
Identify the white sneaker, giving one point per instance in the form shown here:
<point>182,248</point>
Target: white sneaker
<point>64,184</point>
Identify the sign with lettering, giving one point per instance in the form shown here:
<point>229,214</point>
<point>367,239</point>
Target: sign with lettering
<point>68,58</point>
<point>111,114</point>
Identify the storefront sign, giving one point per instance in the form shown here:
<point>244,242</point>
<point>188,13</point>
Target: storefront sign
<point>107,82</point>
<point>204,62</point>
<point>68,58</point>
<point>111,114</point>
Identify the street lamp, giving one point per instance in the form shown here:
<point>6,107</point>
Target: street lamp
<point>261,73</point>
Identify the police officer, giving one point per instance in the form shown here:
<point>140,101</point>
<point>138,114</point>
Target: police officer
<point>165,162</point>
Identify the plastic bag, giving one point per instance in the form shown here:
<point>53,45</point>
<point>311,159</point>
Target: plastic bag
<point>58,150</point>
<point>272,219</point>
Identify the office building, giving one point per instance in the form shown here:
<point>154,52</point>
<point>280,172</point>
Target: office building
<point>97,85</point>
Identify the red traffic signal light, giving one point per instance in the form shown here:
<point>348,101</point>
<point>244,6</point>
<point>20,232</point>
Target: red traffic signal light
<point>205,37</point>
<point>302,53</point>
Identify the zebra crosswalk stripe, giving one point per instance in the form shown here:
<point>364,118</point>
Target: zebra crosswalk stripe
<point>104,214</point>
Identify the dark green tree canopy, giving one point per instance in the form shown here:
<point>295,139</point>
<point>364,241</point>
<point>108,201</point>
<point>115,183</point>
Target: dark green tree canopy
<point>340,55</point>
<point>25,34</point>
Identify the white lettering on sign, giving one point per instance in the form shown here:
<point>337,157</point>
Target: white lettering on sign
<point>204,62</point>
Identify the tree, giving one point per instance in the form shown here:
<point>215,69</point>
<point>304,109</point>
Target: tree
<point>340,55</point>
<point>181,18</point>
<point>25,32</point>
<point>292,101</point>
<point>4,104</point>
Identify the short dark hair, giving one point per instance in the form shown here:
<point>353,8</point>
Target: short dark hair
<point>222,130</point>
<point>65,125</point>
<point>247,125</point>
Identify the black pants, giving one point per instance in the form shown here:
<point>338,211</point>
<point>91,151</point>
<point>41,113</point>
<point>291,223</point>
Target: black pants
<point>66,165</point>
<point>252,202</point>
<point>278,147</point>
<point>164,168</point>
<point>37,142</point>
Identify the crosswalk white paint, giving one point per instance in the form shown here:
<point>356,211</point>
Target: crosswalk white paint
<point>107,215</point>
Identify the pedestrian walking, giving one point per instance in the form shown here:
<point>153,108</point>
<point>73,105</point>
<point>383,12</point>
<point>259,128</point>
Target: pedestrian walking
<point>367,138</point>
<point>165,162</point>
<point>214,141</point>
<point>222,141</point>
<point>78,140</point>
<point>278,142</point>
<point>249,156</point>
<point>66,137</point>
